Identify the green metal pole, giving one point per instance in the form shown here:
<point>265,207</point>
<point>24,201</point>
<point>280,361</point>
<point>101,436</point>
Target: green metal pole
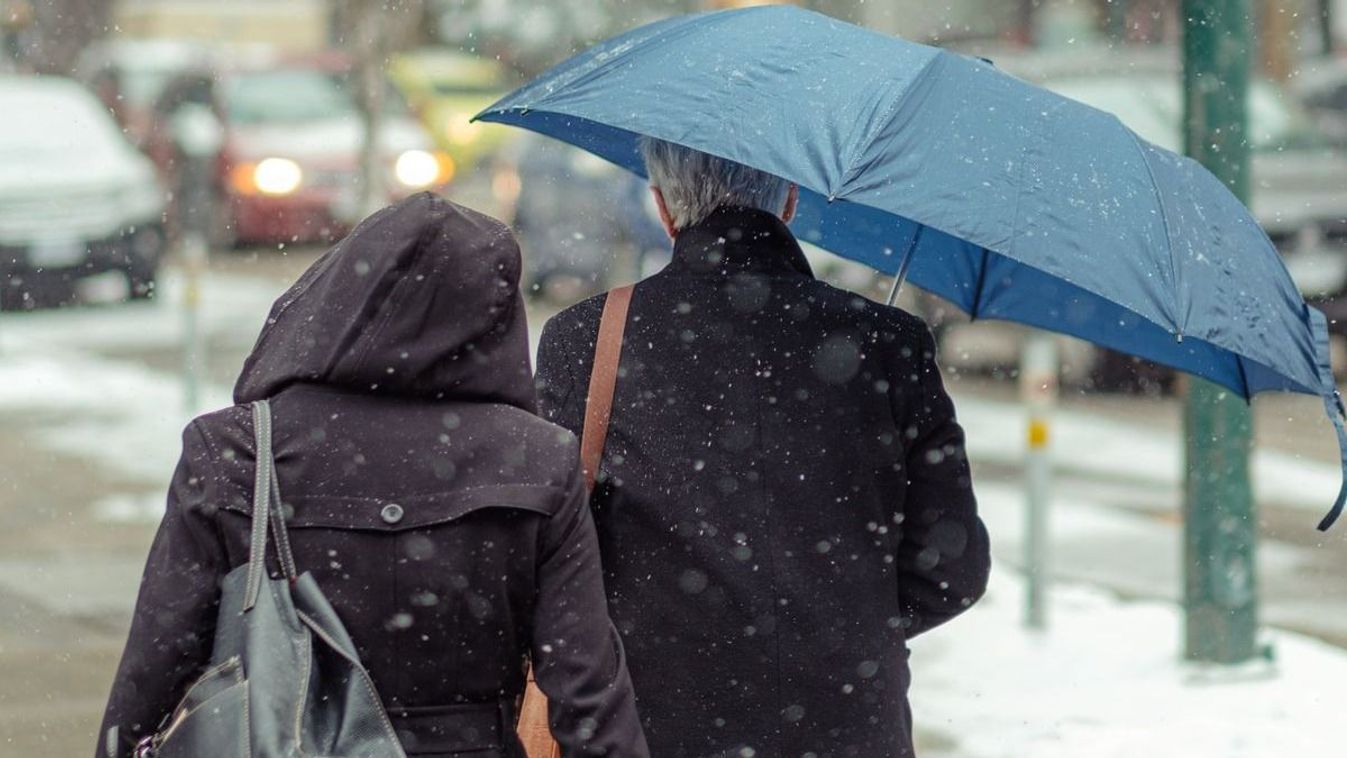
<point>1220,525</point>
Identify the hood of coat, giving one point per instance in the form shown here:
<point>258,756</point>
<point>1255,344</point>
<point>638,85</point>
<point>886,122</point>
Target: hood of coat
<point>420,300</point>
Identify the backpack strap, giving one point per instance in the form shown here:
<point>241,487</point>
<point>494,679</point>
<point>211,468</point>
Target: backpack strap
<point>603,381</point>
<point>266,509</point>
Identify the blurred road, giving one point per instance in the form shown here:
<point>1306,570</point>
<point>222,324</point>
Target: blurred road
<point>91,406</point>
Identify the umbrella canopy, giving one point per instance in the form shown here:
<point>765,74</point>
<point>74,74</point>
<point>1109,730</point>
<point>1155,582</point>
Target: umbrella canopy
<point>1008,200</point>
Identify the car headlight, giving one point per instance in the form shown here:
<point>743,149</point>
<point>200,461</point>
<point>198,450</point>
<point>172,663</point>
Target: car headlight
<point>277,176</point>
<point>423,168</point>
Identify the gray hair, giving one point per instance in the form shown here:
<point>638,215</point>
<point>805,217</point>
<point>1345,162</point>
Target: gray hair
<point>694,183</point>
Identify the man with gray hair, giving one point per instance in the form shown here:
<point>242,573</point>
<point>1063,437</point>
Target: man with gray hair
<point>784,498</point>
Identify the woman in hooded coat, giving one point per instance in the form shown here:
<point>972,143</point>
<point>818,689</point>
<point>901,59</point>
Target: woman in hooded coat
<point>445,522</point>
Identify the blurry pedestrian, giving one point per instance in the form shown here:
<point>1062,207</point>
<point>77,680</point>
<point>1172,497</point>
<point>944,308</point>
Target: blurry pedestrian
<point>784,498</point>
<point>445,522</point>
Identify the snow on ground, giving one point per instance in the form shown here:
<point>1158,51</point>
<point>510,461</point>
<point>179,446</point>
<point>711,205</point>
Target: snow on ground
<point>115,413</point>
<point>118,412</point>
<point>1106,680</point>
<point>230,303</point>
<point>1128,551</point>
<point>1084,442</point>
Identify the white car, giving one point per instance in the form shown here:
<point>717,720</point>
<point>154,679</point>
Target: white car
<point>77,201</point>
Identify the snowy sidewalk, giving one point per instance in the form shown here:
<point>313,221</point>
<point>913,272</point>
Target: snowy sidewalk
<point>1138,454</point>
<point>1106,680</point>
<point>1115,520</point>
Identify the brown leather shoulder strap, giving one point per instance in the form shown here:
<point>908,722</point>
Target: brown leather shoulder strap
<point>603,380</point>
<point>533,729</point>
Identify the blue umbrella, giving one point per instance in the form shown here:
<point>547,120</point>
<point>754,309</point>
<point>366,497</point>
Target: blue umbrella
<point>1008,200</point>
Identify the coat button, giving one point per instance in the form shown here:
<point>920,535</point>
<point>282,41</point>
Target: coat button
<point>391,513</point>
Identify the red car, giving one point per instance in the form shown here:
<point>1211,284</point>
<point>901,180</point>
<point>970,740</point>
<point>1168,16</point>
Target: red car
<point>291,140</point>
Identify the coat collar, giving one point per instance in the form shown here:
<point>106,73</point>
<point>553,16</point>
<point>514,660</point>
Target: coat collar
<point>734,239</point>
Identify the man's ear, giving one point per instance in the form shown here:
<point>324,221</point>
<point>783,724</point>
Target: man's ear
<point>664,217</point>
<point>792,200</point>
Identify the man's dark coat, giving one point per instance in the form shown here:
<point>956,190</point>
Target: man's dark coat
<point>444,520</point>
<point>785,498</point>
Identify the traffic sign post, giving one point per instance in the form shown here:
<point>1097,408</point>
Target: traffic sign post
<point>1038,389</point>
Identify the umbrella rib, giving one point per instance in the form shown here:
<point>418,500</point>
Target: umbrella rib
<point>1243,377</point>
<point>1164,221</point>
<point>853,169</point>
<point>977,288</point>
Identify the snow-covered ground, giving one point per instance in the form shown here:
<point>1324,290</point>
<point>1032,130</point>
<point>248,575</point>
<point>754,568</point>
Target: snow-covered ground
<point>1106,681</point>
<point>996,433</point>
<point>114,411</point>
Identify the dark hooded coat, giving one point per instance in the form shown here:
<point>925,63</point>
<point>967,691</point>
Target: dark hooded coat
<point>445,522</point>
<point>784,498</point>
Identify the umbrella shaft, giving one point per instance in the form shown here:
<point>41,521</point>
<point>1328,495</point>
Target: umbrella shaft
<point>897,286</point>
<point>903,266</point>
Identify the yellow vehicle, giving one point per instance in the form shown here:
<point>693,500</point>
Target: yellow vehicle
<point>446,88</point>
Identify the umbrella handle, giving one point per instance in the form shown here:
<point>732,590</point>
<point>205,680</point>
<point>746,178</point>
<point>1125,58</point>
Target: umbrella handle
<point>1338,415</point>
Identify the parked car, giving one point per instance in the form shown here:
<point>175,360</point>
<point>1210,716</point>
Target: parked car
<point>289,166</point>
<point>446,88</point>
<point>129,75</point>
<point>78,204</point>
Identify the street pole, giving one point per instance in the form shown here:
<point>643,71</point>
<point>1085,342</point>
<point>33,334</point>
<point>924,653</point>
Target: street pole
<point>1220,595</point>
<point>194,262</point>
<point>371,67</point>
<point>198,136</point>
<point>1038,389</point>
